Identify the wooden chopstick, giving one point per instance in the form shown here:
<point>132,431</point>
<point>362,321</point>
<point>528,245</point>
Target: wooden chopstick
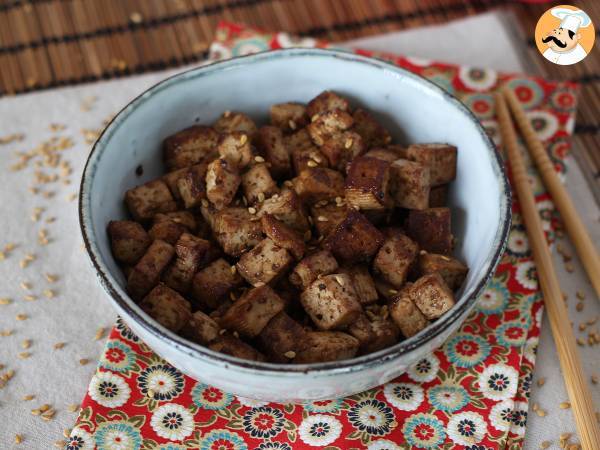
<point>575,228</point>
<point>579,394</point>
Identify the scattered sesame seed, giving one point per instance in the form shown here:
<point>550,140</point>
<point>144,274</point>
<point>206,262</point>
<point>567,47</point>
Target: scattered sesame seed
<point>28,397</point>
<point>6,332</point>
<point>222,331</point>
<point>25,285</point>
<point>18,438</point>
<point>30,298</point>
<point>582,326</point>
<point>291,354</point>
<point>60,444</point>
<point>83,361</point>
<point>99,333</point>
<point>292,124</point>
<point>23,355</point>
<point>322,219</point>
<point>252,210</point>
<point>49,415</point>
<point>243,139</point>
<point>232,297</point>
<point>5,301</point>
<point>348,143</point>
<point>580,342</point>
<point>339,280</point>
<point>227,113</point>
<point>67,432</point>
<point>564,405</point>
<point>259,159</point>
<point>392,291</point>
<point>579,307</point>
<point>540,412</point>
<point>236,334</point>
<point>311,163</point>
<point>569,267</point>
<point>21,317</point>
<point>580,295</point>
<point>49,293</point>
<point>26,344</point>
<point>45,407</point>
<point>314,117</point>
<point>233,270</point>
<point>204,203</point>
<point>565,436</point>
<point>58,345</point>
<point>73,407</point>
<point>541,382</point>
<point>261,197</point>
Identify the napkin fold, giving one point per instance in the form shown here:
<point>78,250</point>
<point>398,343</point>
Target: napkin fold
<point>472,393</point>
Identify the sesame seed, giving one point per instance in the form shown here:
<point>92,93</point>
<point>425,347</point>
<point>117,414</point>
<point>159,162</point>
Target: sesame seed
<point>67,432</point>
<point>227,113</point>
<point>232,297</point>
<point>392,291</point>
<point>83,361</point>
<point>99,334</point>
<point>564,405</point>
<point>288,183</point>
<point>579,307</point>
<point>259,159</point>
<point>582,326</point>
<point>222,331</point>
<point>25,285</point>
<point>49,415</point>
<point>292,124</point>
<point>59,345</point>
<point>18,438</point>
<point>73,407</point>
<point>540,412</point>
<point>322,219</point>
<point>580,342</point>
<point>580,295</point>
<point>26,344</point>
<point>204,203</point>
<point>2,256</point>
<point>50,278</point>
<point>5,301</point>
<point>6,332</point>
<point>291,354</point>
<point>340,280</point>
<point>541,382</point>
<point>23,355</point>
<point>348,143</point>
<point>544,445</point>
<point>28,397</point>
<point>259,284</point>
<point>565,436</point>
<point>311,163</point>
<point>243,139</point>
<point>21,317</point>
<point>252,210</point>
<point>60,444</point>
<point>314,117</point>
<point>45,407</point>
<point>261,197</point>
<point>30,298</point>
<point>236,334</point>
<point>569,267</point>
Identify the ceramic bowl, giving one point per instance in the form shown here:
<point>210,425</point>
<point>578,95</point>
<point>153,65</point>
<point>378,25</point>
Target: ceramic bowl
<point>412,108</point>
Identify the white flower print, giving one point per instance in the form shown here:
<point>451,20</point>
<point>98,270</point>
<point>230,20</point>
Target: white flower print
<point>544,123</point>
<point>79,439</point>
<point>519,419</point>
<point>286,40</point>
<point>424,370</point>
<point>249,402</point>
<point>467,428</point>
<point>477,79</point>
<point>526,275</point>
<point>420,62</point>
<point>383,444</point>
<point>319,430</point>
<point>531,349</point>
<point>517,241</point>
<point>109,389</point>
<point>498,382</point>
<point>219,51</point>
<point>539,316</point>
<point>173,422</point>
<point>501,415</point>
<point>403,396</point>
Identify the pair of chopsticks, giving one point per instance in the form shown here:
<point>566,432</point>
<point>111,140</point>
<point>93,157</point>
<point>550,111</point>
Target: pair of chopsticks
<point>577,388</point>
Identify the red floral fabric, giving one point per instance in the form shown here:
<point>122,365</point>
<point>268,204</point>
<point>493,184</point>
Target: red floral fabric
<point>470,394</point>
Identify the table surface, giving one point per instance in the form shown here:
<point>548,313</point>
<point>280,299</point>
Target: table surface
<point>79,308</point>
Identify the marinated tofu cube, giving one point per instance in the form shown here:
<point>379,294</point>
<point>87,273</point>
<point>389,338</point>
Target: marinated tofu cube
<point>166,230</point>
<point>201,329</point>
<point>282,338</point>
<point>326,217</point>
<point>283,236</point>
<point>184,218</point>
<point>326,125</point>
<point>189,146</point>
<point>211,286</point>
<point>192,186</point>
<point>438,196</point>
<point>406,315</point>
<point>389,154</point>
<point>222,182</point>
<point>236,149</point>
<point>258,184</point>
<point>363,283</point>
<point>431,295</point>
<point>265,263</point>
<point>286,207</point>
<point>326,101</point>
<point>373,134</point>
<point>311,267</point>
<point>324,346</point>
<point>289,116</point>
<point>172,178</point>
<point>410,184</point>
<point>440,158</point>
<point>307,158</point>
<point>190,252</point>
<point>251,313</point>
<point>231,122</point>
<point>146,273</point>
<point>375,334</point>
<point>167,307</point>
<point>236,230</point>
<point>367,184</point>
<point>341,148</point>
<point>430,228</point>
<point>316,184</point>
<point>300,140</point>
<point>128,240</point>
<point>354,240</point>
<point>149,199</point>
<point>331,302</point>
<point>232,346</point>
<point>395,258</point>
<point>452,270</point>
<point>271,144</point>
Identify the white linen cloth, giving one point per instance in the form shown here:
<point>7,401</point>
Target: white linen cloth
<point>80,307</point>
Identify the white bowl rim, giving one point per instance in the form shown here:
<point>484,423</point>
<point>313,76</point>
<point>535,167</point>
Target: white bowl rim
<point>124,302</point>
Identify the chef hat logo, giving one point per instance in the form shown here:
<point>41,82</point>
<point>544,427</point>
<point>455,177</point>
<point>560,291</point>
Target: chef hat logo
<point>570,19</point>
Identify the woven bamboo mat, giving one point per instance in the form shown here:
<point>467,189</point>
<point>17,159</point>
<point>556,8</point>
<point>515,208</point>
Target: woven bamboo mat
<point>48,43</point>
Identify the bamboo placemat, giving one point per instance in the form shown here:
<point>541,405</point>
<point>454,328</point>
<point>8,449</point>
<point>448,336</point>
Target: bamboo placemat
<point>48,43</point>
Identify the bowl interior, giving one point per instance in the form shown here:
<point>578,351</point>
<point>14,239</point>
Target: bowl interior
<point>413,109</point>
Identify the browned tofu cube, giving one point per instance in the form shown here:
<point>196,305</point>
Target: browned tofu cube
<point>438,196</point>
<point>316,184</point>
<point>251,313</point>
<point>308,157</point>
<point>389,153</point>
<point>375,334</point>
<point>395,258</point>
<point>167,307</point>
<point>328,124</point>
<point>271,144</point>
<point>363,283</point>
<point>258,184</point>
<point>409,184</point>
<point>236,230</point>
<point>440,158</point>
<point>326,217</point>
<point>166,230</point>
<point>128,240</point>
<point>184,218</point>
<point>406,315</point>
<point>222,182</point>
<point>231,122</point>
<point>233,346</point>
<point>286,207</point>
<point>189,146</point>
<point>282,338</point>
<point>283,236</point>
<point>373,134</point>
<point>172,178</point>
<point>146,273</point>
<point>452,270</point>
<point>311,267</point>
<point>190,252</point>
<point>431,229</point>
<point>354,240</point>
<point>236,149</point>
<point>331,302</point>
<point>367,185</point>
<point>324,346</point>
<point>201,329</point>
<point>211,286</point>
<point>289,116</point>
<point>149,199</point>
<point>265,263</point>
<point>192,186</point>
<point>326,101</point>
<point>341,148</point>
<point>299,140</point>
<point>431,295</point>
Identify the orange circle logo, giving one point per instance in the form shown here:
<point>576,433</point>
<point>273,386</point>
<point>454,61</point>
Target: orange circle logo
<point>564,35</point>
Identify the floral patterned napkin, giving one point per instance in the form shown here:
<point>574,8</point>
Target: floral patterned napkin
<point>472,393</point>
